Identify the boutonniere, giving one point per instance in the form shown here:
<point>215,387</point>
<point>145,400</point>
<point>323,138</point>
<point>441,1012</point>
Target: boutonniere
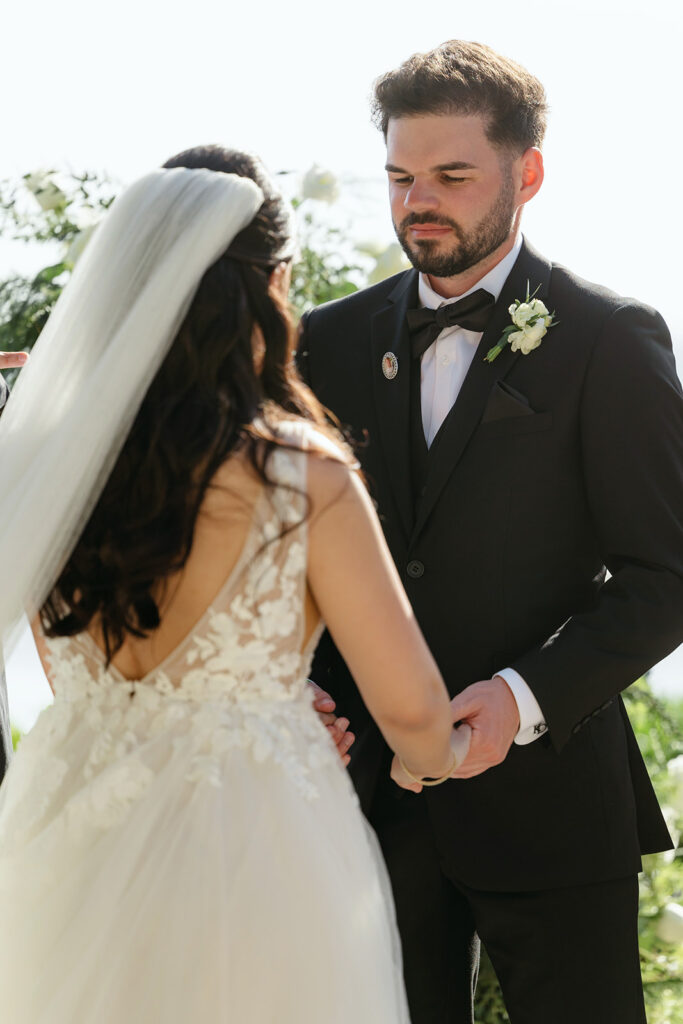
<point>530,323</point>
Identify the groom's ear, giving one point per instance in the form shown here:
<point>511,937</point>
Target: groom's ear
<point>530,173</point>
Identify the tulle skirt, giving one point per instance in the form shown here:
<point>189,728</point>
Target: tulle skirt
<point>166,885</point>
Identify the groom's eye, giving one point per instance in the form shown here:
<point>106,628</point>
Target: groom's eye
<point>405,180</point>
<point>448,178</point>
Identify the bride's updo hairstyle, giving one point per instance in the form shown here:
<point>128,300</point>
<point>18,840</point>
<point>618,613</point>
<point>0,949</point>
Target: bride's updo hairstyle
<point>207,400</point>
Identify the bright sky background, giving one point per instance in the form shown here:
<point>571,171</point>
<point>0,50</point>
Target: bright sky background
<point>119,88</point>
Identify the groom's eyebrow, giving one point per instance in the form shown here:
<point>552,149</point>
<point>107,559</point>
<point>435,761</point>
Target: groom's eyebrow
<point>453,165</point>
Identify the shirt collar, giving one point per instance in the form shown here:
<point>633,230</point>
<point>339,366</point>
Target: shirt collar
<point>493,281</point>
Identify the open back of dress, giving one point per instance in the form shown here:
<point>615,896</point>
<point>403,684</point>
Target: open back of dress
<point>187,846</point>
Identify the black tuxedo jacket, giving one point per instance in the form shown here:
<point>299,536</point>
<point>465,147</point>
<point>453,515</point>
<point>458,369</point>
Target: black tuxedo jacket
<point>550,469</point>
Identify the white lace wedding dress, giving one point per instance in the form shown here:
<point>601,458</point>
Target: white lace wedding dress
<point>188,847</point>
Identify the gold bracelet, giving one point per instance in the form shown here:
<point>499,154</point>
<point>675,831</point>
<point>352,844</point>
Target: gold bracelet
<point>433,782</point>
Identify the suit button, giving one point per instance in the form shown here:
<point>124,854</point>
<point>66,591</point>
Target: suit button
<point>415,569</point>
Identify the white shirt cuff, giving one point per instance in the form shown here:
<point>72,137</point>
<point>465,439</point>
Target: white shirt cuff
<point>531,721</point>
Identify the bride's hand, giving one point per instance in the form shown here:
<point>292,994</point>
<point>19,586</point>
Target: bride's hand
<point>401,779</point>
<point>12,360</point>
<point>337,727</point>
<point>459,744</point>
<point>9,361</point>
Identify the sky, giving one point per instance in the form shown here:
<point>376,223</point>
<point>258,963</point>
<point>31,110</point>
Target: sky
<point>120,88</point>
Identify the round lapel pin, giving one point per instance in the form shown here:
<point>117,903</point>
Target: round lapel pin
<point>389,365</point>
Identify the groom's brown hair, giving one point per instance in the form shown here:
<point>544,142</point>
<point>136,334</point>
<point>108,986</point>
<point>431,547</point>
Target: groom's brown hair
<point>466,78</point>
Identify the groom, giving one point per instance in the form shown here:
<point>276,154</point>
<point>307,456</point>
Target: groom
<point>509,488</point>
<point>8,360</point>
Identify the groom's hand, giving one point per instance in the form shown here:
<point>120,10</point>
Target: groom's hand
<point>337,727</point>
<point>490,709</point>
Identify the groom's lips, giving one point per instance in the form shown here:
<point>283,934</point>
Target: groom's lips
<point>428,230</point>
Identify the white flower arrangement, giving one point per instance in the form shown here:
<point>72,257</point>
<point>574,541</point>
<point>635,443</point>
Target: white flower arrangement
<point>670,924</point>
<point>43,185</point>
<point>321,184</point>
<point>530,322</point>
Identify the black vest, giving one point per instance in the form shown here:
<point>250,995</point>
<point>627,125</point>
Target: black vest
<point>419,452</point>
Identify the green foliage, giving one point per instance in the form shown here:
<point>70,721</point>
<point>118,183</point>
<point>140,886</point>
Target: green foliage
<point>78,201</point>
<point>81,198</point>
<point>326,268</point>
<point>489,1007</point>
<point>25,306</point>
<point>658,726</point>
<point>322,272</point>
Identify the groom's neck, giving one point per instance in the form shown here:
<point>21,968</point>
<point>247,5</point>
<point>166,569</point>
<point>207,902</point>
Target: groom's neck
<point>451,287</point>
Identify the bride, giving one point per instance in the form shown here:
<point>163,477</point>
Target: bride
<point>179,840</point>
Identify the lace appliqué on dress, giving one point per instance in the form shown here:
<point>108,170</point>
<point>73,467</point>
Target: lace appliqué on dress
<point>238,682</point>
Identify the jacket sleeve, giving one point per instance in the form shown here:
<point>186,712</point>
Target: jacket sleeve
<point>631,421</point>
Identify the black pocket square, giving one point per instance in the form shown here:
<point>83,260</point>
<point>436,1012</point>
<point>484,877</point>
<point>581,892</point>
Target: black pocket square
<point>505,402</point>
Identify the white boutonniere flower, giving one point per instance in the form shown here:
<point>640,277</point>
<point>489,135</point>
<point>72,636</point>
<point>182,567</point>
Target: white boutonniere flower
<point>530,322</point>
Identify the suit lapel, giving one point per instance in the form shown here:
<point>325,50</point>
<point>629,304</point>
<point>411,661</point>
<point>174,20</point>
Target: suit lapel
<point>456,430</point>
<point>392,397</point>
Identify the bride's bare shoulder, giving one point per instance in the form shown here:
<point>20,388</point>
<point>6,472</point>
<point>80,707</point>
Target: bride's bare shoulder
<point>332,478</point>
<point>234,488</point>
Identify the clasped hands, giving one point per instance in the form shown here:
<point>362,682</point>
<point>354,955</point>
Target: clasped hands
<point>490,710</point>
<point>487,707</point>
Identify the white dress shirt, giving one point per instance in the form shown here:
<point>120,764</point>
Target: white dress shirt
<point>444,367</point>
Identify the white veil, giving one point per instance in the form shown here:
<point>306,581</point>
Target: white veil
<point>76,399</point>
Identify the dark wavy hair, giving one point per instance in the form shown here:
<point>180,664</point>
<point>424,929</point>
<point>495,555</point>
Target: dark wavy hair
<point>207,401</point>
<point>466,78</point>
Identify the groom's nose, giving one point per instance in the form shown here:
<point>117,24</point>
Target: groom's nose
<point>421,197</point>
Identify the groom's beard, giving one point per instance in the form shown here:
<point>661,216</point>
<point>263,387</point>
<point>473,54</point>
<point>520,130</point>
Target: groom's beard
<point>471,247</point>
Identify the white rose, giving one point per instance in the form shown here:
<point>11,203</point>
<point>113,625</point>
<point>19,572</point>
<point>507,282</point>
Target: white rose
<point>521,314</point>
<point>538,308</point>
<point>320,184</point>
<point>391,261</point>
<point>44,187</point>
<point>528,339</point>
<point>534,333</point>
<point>670,924</point>
<point>85,217</point>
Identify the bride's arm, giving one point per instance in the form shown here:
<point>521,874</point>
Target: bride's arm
<point>360,597</point>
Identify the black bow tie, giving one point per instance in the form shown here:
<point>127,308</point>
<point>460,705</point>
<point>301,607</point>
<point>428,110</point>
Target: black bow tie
<point>471,313</point>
